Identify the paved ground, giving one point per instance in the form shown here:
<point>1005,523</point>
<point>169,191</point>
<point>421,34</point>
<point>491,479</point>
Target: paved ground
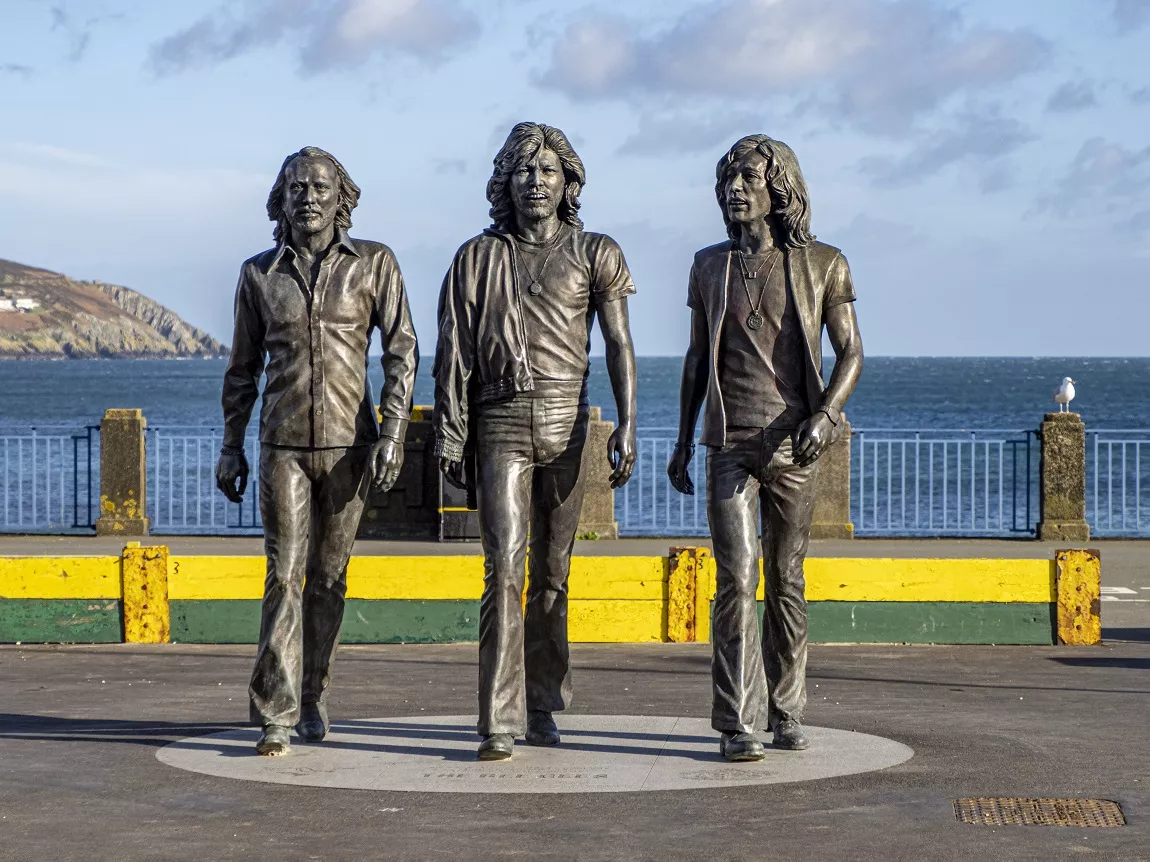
<point>80,728</point>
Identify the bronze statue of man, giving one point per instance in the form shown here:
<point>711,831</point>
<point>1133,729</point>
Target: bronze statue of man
<point>759,302</point>
<point>511,415</point>
<point>305,311</point>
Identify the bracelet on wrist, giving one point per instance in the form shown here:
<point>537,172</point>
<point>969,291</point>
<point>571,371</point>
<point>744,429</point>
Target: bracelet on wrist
<point>231,450</point>
<point>681,445</point>
<point>833,414</point>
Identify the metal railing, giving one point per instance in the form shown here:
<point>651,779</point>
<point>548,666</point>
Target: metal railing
<point>1118,482</point>
<point>50,480</point>
<point>647,505</point>
<point>182,494</point>
<point>903,483</point>
<point>944,482</point>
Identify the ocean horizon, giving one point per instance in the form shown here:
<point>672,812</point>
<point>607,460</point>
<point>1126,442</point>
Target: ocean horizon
<point>895,392</point>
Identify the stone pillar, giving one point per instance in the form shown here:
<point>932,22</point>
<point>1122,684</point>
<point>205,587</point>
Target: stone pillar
<point>123,475</point>
<point>832,518</point>
<point>408,510</point>
<point>598,515</point>
<point>1062,491</point>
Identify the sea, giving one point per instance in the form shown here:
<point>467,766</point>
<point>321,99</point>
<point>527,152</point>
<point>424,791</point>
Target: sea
<point>935,393</point>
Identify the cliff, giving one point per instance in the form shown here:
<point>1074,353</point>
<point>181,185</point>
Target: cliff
<point>46,315</point>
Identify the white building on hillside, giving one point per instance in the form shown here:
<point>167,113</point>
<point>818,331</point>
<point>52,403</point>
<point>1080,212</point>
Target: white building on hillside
<point>26,304</point>
<point>7,305</point>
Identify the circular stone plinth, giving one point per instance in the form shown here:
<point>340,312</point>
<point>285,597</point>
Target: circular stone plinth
<point>599,754</point>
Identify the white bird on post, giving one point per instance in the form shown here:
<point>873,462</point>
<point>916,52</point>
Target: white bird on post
<point>1065,394</point>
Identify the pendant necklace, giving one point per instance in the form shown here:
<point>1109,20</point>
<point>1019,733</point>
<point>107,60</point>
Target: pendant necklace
<point>535,287</point>
<point>755,320</point>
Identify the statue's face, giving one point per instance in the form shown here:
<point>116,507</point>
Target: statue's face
<point>746,193</point>
<point>537,186</point>
<point>311,195</point>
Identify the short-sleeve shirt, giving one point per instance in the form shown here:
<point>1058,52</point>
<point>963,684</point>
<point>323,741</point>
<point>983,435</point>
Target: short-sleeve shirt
<point>582,271</point>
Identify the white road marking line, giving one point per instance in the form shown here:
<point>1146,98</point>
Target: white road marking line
<point>1119,591</point>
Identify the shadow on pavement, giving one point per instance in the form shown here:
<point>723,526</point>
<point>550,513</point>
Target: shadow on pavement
<point>1110,635</point>
<point>1112,662</point>
<point>158,734</point>
<point>959,684</point>
<point>153,733</point>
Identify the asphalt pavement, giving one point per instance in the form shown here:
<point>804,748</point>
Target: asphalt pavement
<point>81,725</point>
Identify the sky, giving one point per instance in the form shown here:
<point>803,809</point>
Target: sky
<point>983,165</point>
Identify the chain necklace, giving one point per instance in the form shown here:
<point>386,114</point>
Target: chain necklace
<point>535,287</point>
<point>755,320</point>
<point>746,269</point>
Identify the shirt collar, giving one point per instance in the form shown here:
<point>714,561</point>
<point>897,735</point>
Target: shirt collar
<point>342,241</point>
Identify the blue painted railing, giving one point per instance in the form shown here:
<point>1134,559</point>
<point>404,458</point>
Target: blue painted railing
<point>49,479</point>
<point>948,482</point>
<point>1118,482</point>
<point>182,493</point>
<point>914,482</point>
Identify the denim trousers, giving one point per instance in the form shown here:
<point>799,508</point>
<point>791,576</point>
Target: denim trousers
<point>530,494</point>
<point>759,680</point>
<point>311,501</point>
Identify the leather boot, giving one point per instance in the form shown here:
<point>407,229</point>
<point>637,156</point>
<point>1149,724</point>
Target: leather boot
<point>541,729</point>
<point>497,746</point>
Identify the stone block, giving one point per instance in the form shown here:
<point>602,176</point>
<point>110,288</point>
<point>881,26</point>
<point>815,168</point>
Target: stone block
<point>832,516</point>
<point>409,509</point>
<point>123,475</point>
<point>598,515</point>
<point>1062,479</point>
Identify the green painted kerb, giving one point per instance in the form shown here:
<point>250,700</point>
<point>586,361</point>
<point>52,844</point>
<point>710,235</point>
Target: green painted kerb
<point>930,622</point>
<point>60,621</point>
<point>365,621</point>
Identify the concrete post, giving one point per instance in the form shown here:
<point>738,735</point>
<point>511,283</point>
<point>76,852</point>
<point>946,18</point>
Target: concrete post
<point>598,515</point>
<point>832,518</point>
<point>1062,468</point>
<point>408,510</point>
<point>123,475</point>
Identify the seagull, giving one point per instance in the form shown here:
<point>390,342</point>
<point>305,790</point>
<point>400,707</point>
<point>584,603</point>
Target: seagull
<point>1065,394</point>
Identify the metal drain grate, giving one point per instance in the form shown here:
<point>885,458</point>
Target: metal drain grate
<point>1016,811</point>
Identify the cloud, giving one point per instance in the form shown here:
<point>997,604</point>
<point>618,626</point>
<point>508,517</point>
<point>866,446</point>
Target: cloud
<point>978,139</point>
<point>327,35</point>
<point>16,69</point>
<point>450,166</point>
<point>1131,14</point>
<point>1072,96</point>
<point>874,64</point>
<point>79,184</point>
<point>680,133</point>
<point>78,30</point>
<point>1140,96</point>
<point>875,235</point>
<point>53,153</point>
<point>1104,179</point>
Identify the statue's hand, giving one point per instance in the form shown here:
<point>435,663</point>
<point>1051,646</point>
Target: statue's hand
<point>678,469</point>
<point>231,469</point>
<point>621,454</point>
<point>453,472</point>
<point>386,462</point>
<point>812,439</point>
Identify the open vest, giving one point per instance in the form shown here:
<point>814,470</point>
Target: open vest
<point>813,273</point>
